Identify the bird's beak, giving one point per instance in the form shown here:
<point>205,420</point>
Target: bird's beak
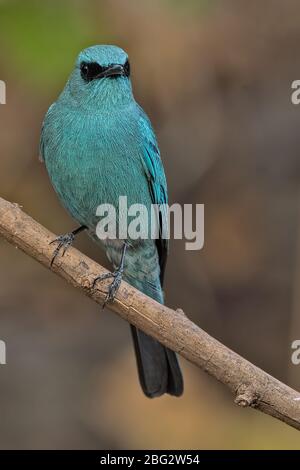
<point>112,71</point>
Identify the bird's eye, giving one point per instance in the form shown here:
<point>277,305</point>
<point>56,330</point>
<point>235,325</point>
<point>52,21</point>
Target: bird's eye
<point>127,68</point>
<point>90,70</point>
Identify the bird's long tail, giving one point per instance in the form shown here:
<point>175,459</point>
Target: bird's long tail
<point>158,367</point>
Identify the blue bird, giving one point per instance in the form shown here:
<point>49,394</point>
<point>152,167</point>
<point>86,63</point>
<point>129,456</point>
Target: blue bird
<point>98,144</point>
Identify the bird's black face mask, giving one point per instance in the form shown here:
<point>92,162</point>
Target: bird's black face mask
<point>92,71</point>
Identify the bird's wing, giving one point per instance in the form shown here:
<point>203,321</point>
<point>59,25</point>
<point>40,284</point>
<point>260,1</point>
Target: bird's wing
<point>41,149</point>
<point>157,184</point>
<point>42,139</point>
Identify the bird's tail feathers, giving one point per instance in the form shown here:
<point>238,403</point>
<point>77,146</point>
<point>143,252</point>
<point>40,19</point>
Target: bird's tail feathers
<point>158,367</point>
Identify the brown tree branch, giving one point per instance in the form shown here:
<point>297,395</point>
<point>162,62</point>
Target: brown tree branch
<point>251,386</point>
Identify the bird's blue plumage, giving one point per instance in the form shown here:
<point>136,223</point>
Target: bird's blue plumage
<point>98,144</point>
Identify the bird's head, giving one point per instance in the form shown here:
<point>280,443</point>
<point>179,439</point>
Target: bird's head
<point>101,77</point>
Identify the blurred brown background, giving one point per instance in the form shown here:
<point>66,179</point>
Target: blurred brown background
<point>215,78</point>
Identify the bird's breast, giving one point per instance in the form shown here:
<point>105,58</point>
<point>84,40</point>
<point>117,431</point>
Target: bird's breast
<point>93,160</point>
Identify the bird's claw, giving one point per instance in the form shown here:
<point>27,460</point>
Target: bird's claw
<point>113,287</point>
<point>63,243</point>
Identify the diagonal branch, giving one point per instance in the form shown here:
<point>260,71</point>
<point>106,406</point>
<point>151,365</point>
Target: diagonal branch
<point>251,386</point>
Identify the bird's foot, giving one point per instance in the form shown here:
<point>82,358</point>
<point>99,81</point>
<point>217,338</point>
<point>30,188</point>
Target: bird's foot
<point>63,243</point>
<point>113,287</point>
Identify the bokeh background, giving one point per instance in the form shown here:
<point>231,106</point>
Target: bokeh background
<point>215,77</point>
